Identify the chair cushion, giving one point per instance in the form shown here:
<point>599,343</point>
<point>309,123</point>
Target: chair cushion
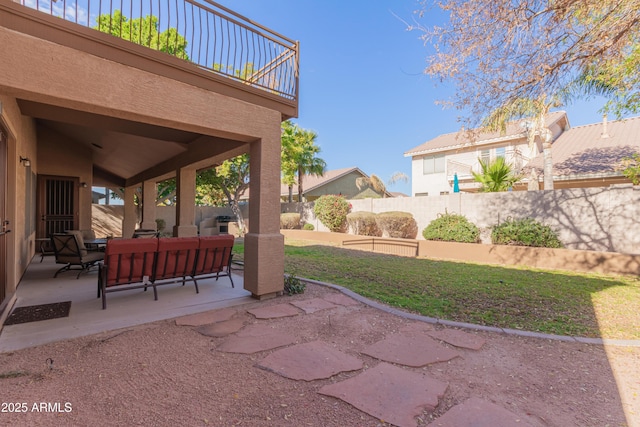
<point>80,240</point>
<point>88,234</point>
<point>93,257</point>
<point>129,260</point>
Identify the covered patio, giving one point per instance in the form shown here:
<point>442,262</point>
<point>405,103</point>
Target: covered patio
<point>82,106</point>
<point>125,309</point>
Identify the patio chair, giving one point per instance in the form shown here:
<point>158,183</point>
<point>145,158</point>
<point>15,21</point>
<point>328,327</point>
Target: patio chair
<point>70,251</point>
<point>82,236</point>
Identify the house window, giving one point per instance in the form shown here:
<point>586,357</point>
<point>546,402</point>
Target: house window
<point>491,154</point>
<point>433,164</point>
<point>485,156</point>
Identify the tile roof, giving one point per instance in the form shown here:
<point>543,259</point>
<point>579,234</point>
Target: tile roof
<point>583,149</point>
<point>453,140</point>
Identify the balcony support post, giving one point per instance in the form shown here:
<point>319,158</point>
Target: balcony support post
<point>264,245</point>
<point>186,203</point>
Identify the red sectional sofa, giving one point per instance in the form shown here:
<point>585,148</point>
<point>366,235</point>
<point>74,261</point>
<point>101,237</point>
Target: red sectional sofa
<point>140,263</point>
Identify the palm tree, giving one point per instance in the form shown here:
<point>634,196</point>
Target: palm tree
<point>307,161</point>
<point>299,156</point>
<point>496,176</point>
<point>377,184</point>
<point>536,110</point>
<point>398,176</point>
<point>289,151</point>
<point>372,181</point>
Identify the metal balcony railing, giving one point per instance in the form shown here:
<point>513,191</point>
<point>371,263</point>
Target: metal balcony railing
<point>462,169</point>
<point>200,31</point>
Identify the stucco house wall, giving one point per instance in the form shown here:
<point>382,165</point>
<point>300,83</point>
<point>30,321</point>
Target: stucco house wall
<point>19,197</point>
<point>345,185</point>
<point>60,156</point>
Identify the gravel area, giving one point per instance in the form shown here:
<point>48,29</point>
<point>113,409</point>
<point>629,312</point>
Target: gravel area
<point>163,374</point>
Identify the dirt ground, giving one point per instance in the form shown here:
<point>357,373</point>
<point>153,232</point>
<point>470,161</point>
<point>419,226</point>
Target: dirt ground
<point>162,374</point>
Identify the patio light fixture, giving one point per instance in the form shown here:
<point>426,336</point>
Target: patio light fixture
<point>25,161</point>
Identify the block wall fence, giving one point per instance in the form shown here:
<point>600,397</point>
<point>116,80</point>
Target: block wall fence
<point>595,219</point>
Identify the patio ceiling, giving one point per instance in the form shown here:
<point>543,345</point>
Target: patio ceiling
<point>126,151</point>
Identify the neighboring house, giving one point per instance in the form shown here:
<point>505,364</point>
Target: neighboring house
<point>338,181</point>
<point>435,163</point>
<point>584,156</point>
<point>591,155</point>
<point>81,108</point>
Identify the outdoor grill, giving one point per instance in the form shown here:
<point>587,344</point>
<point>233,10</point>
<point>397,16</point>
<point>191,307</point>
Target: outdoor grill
<point>223,223</point>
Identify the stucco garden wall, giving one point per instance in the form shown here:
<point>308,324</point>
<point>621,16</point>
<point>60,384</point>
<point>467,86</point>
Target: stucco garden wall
<point>595,219</point>
<point>107,219</point>
<point>545,258</point>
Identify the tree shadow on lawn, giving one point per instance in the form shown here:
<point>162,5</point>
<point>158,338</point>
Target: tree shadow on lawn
<point>552,302</point>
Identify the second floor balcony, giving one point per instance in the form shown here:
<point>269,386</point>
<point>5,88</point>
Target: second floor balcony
<point>199,42</point>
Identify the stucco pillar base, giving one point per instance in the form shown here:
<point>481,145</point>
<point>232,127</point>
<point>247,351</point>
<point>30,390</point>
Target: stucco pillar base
<point>264,264</point>
<point>185,231</point>
<point>148,225</point>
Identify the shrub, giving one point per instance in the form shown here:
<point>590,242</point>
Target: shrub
<point>160,224</point>
<point>332,212</point>
<point>397,224</point>
<point>525,232</point>
<point>293,285</point>
<point>363,224</point>
<point>289,221</point>
<point>308,226</point>
<point>452,228</point>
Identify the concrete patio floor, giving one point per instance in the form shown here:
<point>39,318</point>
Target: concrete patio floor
<point>124,309</point>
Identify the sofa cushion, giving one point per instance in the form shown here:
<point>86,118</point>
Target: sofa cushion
<point>176,257</point>
<point>214,253</point>
<point>129,260</point>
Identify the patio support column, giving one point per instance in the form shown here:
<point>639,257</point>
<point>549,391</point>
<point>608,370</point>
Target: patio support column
<point>264,245</point>
<point>130,216</point>
<point>149,195</point>
<point>186,203</point>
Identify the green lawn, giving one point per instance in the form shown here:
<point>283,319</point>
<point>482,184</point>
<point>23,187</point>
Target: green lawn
<point>552,302</point>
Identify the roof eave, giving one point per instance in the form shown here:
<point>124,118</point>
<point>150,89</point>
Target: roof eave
<point>513,137</point>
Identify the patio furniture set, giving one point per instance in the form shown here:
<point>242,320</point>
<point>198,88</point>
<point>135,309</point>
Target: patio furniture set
<point>126,264</point>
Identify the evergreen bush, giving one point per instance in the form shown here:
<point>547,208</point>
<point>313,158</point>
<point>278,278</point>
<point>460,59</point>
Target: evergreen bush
<point>332,212</point>
<point>525,232</point>
<point>363,224</point>
<point>308,226</point>
<point>289,221</point>
<point>452,228</point>
<point>397,224</point>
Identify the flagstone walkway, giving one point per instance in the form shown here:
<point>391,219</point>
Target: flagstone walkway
<point>394,389</point>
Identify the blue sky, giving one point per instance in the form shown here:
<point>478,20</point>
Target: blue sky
<point>361,83</point>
